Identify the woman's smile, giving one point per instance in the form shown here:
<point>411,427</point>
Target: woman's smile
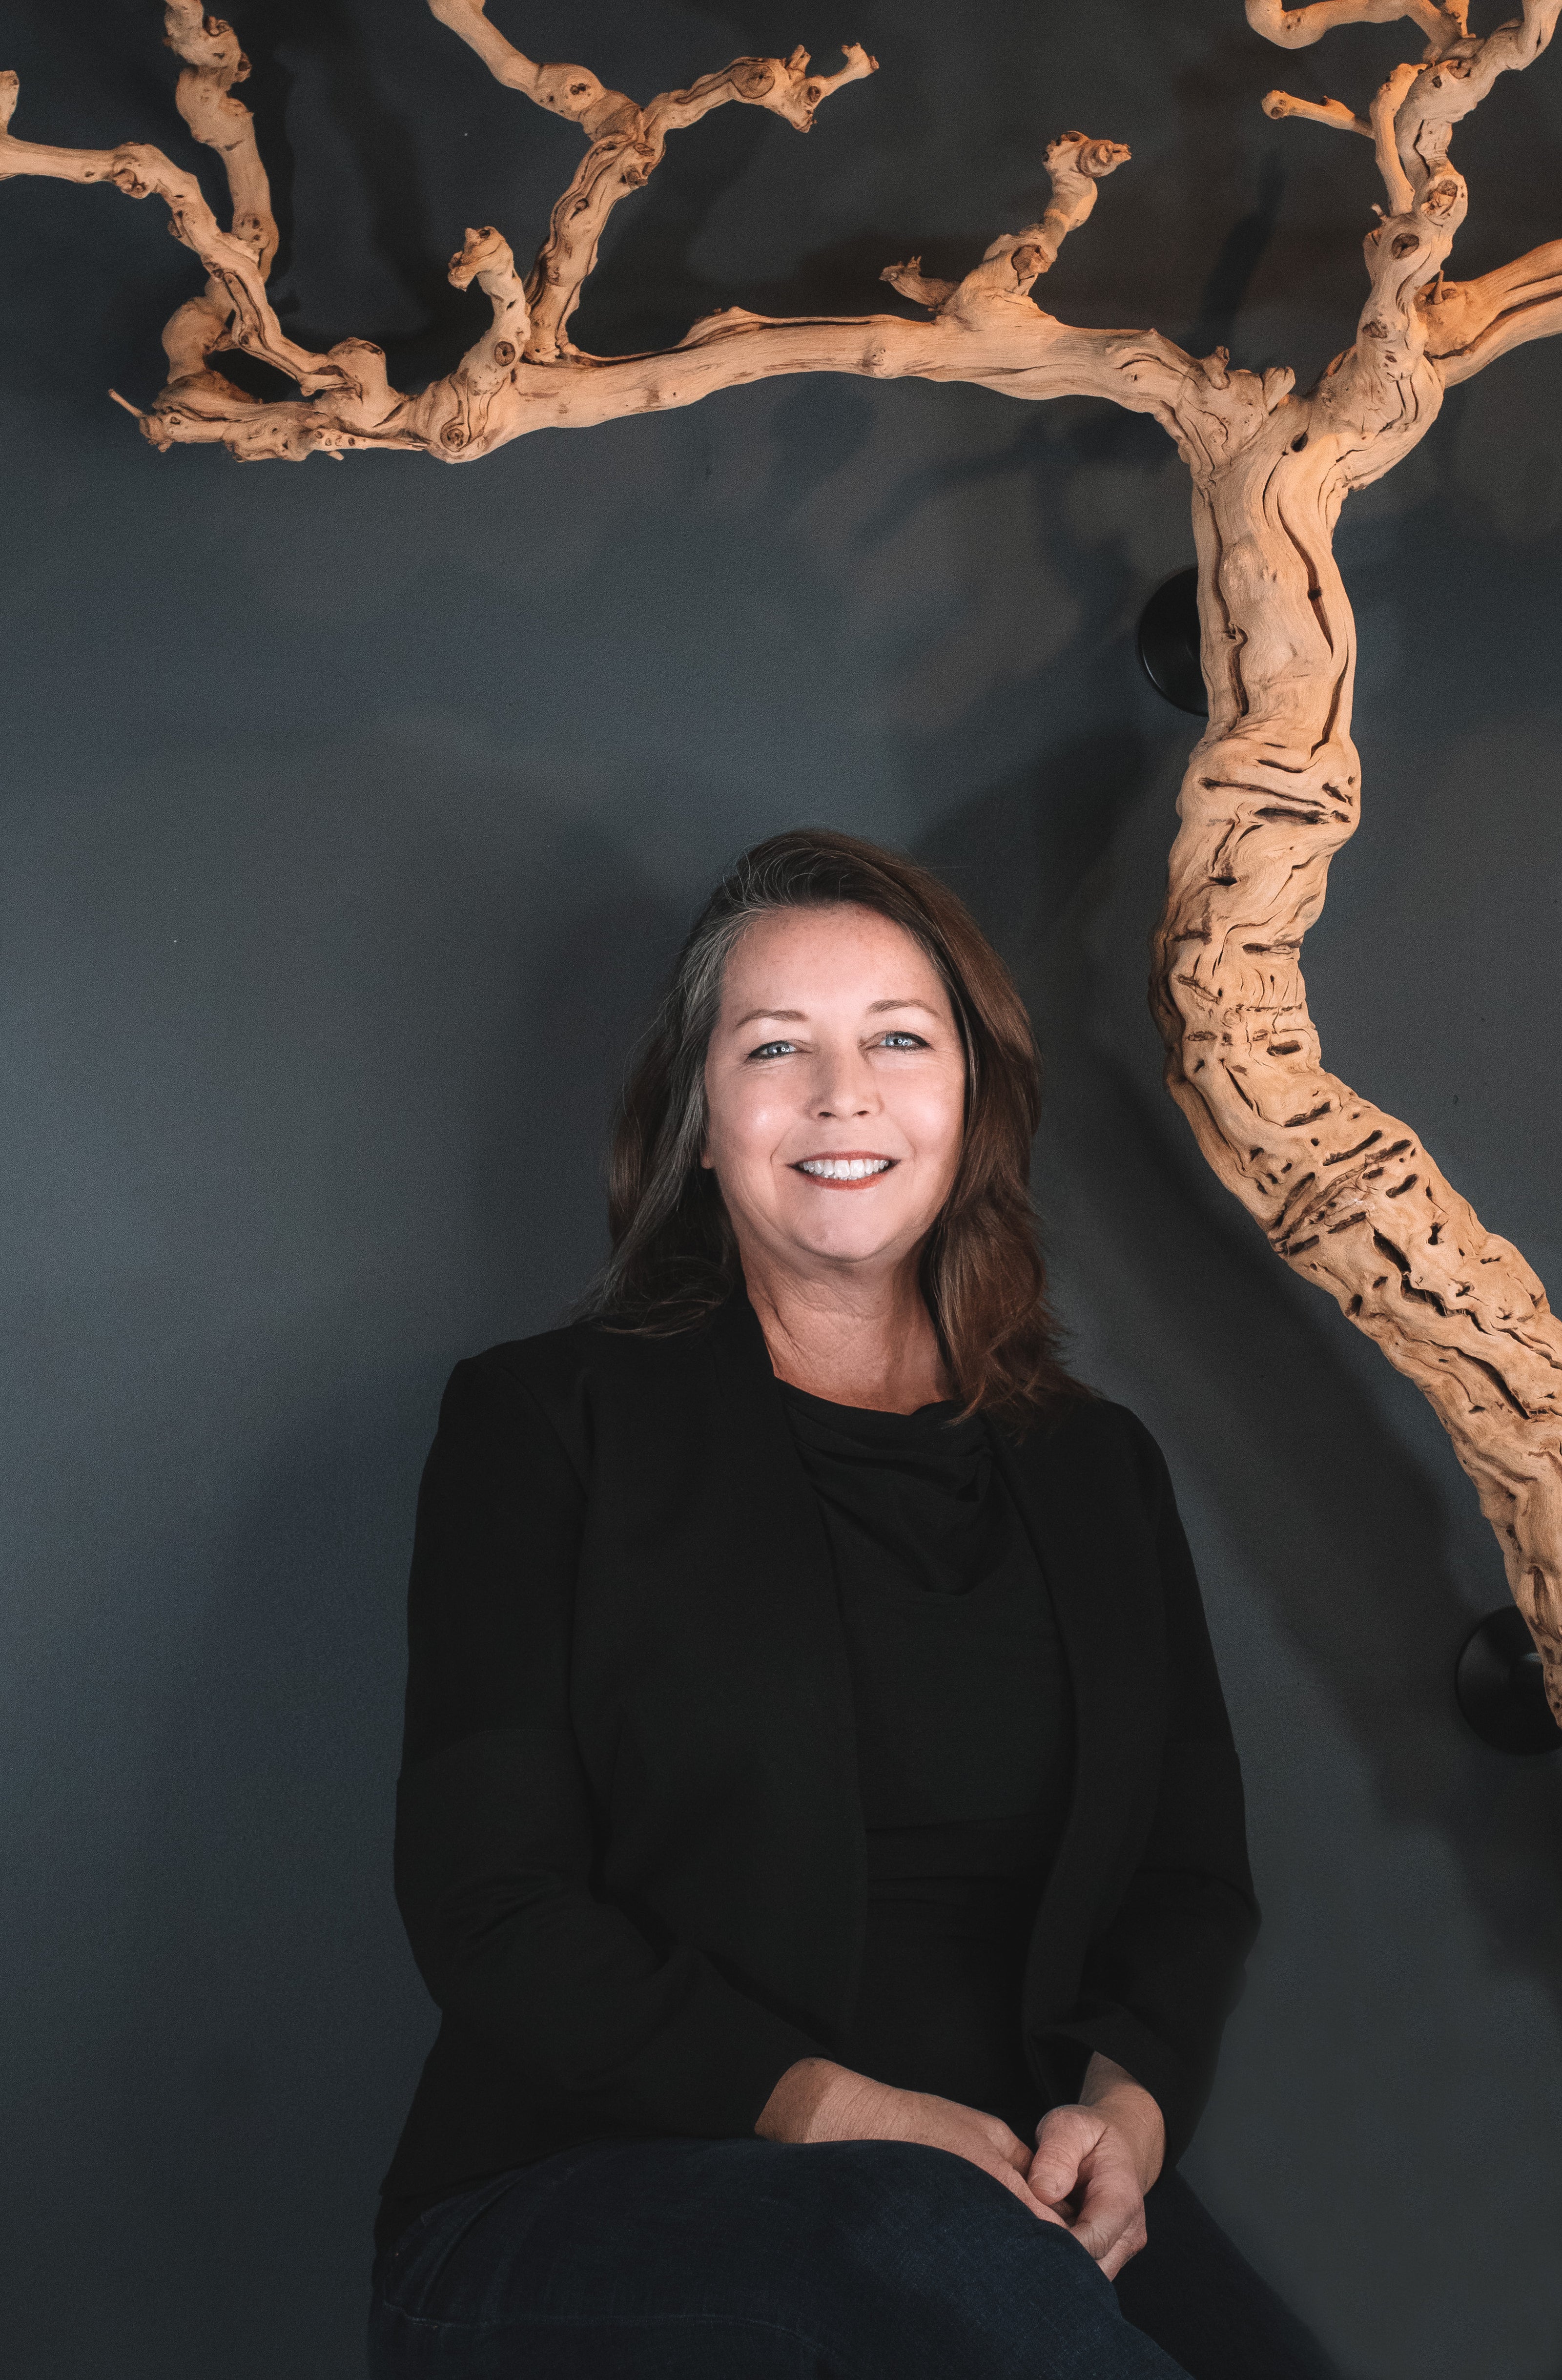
<point>847,1169</point>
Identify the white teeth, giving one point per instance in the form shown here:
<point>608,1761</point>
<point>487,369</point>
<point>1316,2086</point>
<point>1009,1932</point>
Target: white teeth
<point>843,1169</point>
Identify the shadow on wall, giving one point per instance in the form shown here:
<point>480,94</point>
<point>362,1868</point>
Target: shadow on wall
<point>1337,1525</point>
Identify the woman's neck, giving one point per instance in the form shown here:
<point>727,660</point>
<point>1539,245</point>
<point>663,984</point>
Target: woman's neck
<point>856,1343</point>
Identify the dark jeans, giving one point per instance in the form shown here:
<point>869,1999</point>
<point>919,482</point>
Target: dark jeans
<point>845,2260</point>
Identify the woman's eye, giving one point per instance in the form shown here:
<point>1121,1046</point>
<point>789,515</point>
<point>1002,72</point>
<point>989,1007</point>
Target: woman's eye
<point>772,1049</point>
<point>901,1041</point>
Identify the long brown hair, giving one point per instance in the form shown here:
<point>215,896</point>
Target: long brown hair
<point>675,1257</point>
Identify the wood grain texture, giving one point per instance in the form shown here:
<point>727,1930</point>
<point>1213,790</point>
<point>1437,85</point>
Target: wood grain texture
<point>1346,1194</point>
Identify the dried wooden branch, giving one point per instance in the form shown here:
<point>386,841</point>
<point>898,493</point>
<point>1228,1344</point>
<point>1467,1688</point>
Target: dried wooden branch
<point>213,62</point>
<point>1011,264</point>
<point>627,144</point>
<point>1384,116</point>
<point>466,414</point>
<point>1469,324</point>
<point>1347,1195</point>
<point>1332,111</point>
<point>140,172</point>
<point>1298,29</point>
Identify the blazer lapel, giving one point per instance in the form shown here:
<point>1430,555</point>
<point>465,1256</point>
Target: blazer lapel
<point>767,1746</point>
<point>1095,1558</point>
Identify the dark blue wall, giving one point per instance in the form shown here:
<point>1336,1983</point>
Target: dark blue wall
<point>350,816</point>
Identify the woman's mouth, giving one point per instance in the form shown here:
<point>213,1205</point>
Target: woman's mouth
<point>840,1171</point>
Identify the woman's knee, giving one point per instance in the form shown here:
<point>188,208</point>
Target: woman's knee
<point>907,2180</point>
<point>930,2226</point>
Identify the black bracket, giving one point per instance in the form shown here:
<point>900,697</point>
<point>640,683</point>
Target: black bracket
<point>1169,643</point>
<point>1499,1686</point>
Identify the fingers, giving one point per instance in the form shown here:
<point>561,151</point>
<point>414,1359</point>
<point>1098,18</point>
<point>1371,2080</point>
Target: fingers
<point>1065,2139</point>
<point>1021,2190</point>
<point>1081,2157</point>
<point>1123,2254</point>
<point>1110,2222</point>
<point>1053,2173</point>
<point>994,2131</point>
<point>983,2140</point>
<point>1122,2251</point>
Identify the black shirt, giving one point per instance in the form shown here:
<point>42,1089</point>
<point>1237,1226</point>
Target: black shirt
<point>964,1741</point>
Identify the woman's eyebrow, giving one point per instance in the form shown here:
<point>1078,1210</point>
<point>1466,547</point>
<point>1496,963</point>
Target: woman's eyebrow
<point>799,1015</point>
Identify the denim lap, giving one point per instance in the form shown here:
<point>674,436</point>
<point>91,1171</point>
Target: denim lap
<point>679,2259</point>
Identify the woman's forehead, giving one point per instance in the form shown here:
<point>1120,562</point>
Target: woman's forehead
<point>843,953</point>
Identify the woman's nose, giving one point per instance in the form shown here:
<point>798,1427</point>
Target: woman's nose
<point>846,1088</point>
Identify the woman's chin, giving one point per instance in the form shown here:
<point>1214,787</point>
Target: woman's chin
<point>848,1239</point>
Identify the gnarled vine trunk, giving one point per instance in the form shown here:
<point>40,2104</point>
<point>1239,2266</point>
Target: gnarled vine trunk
<point>1346,1194</point>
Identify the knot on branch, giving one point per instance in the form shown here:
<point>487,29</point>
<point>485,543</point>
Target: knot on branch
<point>1219,411</point>
<point>206,43</point>
<point>793,92</point>
<point>135,171</point>
<point>1077,152</point>
<point>752,78</point>
<point>612,119</point>
<point>366,398</point>
<point>1444,201</point>
<point>571,91</point>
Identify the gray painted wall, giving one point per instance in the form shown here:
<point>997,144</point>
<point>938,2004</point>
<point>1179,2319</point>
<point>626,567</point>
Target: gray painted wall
<point>350,816</point>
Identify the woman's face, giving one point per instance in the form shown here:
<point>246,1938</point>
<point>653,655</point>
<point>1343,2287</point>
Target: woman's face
<point>836,1082</point>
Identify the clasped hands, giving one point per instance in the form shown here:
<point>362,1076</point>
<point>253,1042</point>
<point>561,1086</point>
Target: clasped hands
<point>1088,2171</point>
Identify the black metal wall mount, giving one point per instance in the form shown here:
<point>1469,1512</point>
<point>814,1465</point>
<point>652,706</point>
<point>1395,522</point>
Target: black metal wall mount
<point>1169,643</point>
<point>1499,1686</point>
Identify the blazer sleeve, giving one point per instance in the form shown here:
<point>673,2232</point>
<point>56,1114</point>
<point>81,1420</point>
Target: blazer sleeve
<point>495,1830</point>
<point>1164,1972</point>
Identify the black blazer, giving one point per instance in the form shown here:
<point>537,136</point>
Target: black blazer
<point>630,1851</point>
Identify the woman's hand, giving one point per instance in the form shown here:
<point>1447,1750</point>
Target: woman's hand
<point>817,2100</point>
<point>1094,2161</point>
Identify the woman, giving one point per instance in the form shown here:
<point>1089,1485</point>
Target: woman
<point>819,1825</point>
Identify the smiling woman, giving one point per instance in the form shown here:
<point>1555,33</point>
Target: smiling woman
<point>818,1822</point>
<point>826,982</point>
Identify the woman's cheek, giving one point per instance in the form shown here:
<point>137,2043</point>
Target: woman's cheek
<point>765,1120</point>
<point>933,1122</point>
<point>745,1138</point>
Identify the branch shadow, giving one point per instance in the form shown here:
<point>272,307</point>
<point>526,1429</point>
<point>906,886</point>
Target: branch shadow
<point>349,84</point>
<point>1236,261</point>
